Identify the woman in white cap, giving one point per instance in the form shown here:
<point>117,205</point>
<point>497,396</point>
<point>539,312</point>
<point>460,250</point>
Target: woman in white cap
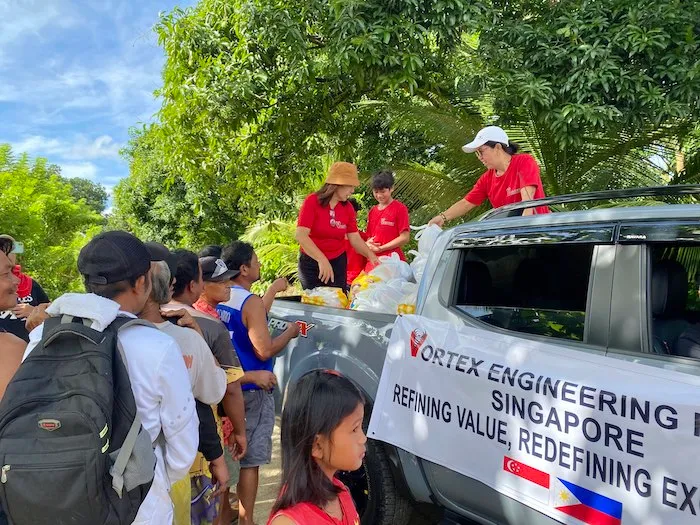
<point>326,219</point>
<point>510,177</point>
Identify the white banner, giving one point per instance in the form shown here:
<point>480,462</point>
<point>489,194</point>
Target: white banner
<point>579,437</point>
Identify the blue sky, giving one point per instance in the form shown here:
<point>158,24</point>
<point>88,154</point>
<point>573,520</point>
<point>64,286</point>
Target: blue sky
<point>75,75</point>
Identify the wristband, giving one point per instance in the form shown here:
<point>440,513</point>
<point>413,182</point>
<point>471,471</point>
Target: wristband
<point>444,217</point>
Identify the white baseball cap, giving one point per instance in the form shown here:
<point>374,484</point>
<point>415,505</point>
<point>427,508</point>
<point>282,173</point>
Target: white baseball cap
<point>488,134</point>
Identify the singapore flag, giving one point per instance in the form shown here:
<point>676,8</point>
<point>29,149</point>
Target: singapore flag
<point>527,480</point>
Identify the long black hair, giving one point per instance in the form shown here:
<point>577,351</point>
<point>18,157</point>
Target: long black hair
<point>316,405</point>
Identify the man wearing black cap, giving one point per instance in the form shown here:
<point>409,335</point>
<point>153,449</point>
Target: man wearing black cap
<point>116,270</point>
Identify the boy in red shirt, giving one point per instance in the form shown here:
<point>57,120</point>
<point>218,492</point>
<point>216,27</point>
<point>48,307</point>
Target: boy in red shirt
<point>387,224</point>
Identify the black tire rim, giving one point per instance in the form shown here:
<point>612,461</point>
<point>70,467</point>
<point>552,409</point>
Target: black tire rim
<point>357,483</point>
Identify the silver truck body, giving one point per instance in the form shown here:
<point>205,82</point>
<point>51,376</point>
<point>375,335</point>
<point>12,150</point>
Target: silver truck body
<point>618,324</point>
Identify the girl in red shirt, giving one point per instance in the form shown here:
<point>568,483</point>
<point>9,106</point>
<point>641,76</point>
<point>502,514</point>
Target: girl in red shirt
<point>388,227</point>
<point>321,434</point>
<point>325,219</point>
<point>510,177</point>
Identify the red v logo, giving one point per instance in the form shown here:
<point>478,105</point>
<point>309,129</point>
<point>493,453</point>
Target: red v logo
<point>418,337</point>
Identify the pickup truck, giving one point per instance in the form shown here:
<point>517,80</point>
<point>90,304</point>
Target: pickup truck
<point>619,282</point>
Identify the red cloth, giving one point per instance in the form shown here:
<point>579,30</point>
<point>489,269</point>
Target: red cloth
<point>204,307</point>
<point>356,262</point>
<point>24,288</point>
<point>387,224</point>
<point>308,514</point>
<point>522,171</point>
<point>329,239</point>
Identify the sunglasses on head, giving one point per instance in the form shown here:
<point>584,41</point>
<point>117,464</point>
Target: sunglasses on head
<point>7,246</point>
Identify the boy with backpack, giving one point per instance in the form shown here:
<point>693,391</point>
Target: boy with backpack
<point>99,420</point>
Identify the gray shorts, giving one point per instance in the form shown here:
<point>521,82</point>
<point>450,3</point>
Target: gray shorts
<point>259,424</point>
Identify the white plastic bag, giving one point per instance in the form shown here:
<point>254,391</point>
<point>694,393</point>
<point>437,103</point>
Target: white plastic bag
<point>418,265</point>
<point>325,296</point>
<point>392,267</point>
<point>426,237</point>
<point>385,297</point>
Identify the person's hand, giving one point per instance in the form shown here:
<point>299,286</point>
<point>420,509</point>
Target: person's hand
<point>373,246</point>
<point>238,445</point>
<point>325,271</point>
<point>373,259</point>
<point>37,317</point>
<point>279,285</point>
<point>184,319</point>
<point>438,219</point>
<point>219,475</point>
<point>23,310</point>
<point>264,379</point>
<point>293,329</point>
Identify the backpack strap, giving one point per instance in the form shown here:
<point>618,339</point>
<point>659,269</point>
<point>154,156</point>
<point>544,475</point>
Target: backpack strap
<point>119,466</point>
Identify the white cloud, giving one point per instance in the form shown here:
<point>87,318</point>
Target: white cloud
<point>20,19</point>
<point>81,148</point>
<point>102,147</point>
<point>84,170</point>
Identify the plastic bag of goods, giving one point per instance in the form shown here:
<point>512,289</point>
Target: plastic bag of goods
<point>392,267</point>
<point>325,296</point>
<point>418,265</point>
<point>362,282</point>
<point>386,297</point>
<point>409,299</point>
<point>426,237</point>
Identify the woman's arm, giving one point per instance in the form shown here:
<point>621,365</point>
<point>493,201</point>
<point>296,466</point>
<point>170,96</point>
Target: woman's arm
<point>325,270</point>
<point>527,193</point>
<point>459,208</point>
<point>361,247</point>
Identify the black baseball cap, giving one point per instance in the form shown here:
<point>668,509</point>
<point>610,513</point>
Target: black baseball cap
<point>160,253</point>
<point>214,270</point>
<point>113,256</point>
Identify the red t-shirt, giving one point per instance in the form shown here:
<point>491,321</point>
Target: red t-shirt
<point>328,227</point>
<point>356,262</point>
<point>308,514</point>
<point>522,171</point>
<point>387,224</point>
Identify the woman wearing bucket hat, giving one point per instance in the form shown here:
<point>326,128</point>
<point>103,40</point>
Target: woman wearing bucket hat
<point>325,220</point>
<point>510,177</point>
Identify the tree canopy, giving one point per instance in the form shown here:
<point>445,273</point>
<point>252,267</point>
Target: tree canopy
<point>39,209</point>
<point>259,96</point>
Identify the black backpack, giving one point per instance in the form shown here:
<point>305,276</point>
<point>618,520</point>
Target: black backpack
<point>72,448</point>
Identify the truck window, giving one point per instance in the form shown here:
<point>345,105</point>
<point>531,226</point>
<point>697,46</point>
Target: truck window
<point>540,290</point>
<point>674,304</point>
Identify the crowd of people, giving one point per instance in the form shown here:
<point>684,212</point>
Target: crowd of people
<point>195,341</point>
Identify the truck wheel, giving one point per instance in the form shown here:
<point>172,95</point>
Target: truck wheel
<point>374,492</point>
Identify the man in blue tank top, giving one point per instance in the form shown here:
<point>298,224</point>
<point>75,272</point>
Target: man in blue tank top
<point>245,315</point>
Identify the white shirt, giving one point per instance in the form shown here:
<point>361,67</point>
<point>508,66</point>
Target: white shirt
<point>162,393</point>
<point>207,379</point>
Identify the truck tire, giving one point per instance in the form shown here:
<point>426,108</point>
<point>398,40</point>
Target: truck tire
<point>374,491</point>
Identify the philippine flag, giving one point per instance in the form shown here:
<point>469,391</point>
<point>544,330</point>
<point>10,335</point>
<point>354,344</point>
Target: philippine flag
<point>583,504</point>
